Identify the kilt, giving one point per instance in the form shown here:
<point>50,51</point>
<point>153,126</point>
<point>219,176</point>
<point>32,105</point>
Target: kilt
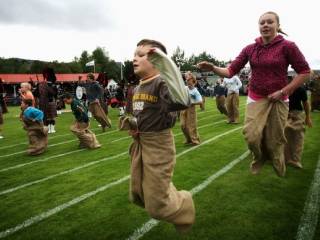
<point>51,111</point>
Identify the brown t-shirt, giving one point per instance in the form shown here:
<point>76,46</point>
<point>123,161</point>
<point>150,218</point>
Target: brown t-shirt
<point>153,107</point>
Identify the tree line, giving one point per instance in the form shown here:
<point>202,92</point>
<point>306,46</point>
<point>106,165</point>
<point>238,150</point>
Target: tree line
<point>189,63</point>
<point>103,63</point>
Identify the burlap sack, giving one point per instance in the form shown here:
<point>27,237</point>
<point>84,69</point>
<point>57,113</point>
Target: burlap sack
<point>37,135</point>
<point>98,113</point>
<point>294,132</point>
<point>152,165</point>
<point>86,137</point>
<point>264,132</point>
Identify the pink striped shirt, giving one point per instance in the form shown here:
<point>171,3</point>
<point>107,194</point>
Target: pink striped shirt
<point>269,64</point>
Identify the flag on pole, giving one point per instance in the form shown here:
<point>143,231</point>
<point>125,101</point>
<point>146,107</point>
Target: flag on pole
<point>91,63</point>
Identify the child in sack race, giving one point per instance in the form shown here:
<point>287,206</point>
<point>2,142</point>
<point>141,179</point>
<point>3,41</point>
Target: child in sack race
<point>160,93</point>
<point>81,126</point>
<point>33,123</point>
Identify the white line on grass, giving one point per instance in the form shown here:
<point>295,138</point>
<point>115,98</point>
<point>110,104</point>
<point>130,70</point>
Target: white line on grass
<point>178,134</point>
<point>146,227</point>
<point>13,145</point>
<point>206,125</point>
<point>208,141</point>
<point>10,190</point>
<point>66,134</point>
<point>210,116</point>
<point>202,112</point>
<point>56,144</point>
<point>120,139</point>
<point>79,199</point>
<point>67,153</point>
<point>222,171</point>
<point>55,136</point>
<point>59,208</point>
<point>48,158</point>
<point>40,160</point>
<point>25,143</point>
<point>309,218</point>
<point>214,115</point>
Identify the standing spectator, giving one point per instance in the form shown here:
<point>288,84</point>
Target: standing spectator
<point>132,83</point>
<point>315,93</point>
<point>1,122</point>
<point>60,103</point>
<point>201,90</point>
<point>35,91</point>
<point>103,82</point>
<point>2,97</point>
<point>94,94</point>
<point>47,98</point>
<point>219,92</point>
<point>233,85</point>
<point>295,128</point>
<point>267,102</point>
<point>3,106</point>
<point>119,95</point>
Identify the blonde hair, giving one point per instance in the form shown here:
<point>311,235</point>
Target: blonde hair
<point>26,85</point>
<point>189,75</point>
<point>278,20</point>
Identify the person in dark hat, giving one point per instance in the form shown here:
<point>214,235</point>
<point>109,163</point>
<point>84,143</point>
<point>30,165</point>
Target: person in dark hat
<point>3,106</point>
<point>47,98</point>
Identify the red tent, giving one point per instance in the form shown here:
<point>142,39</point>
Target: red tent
<point>19,78</point>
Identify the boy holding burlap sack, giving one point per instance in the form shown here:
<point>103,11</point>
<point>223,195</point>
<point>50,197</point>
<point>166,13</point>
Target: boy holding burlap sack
<point>155,101</point>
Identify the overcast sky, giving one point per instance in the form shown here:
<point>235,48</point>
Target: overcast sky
<point>62,29</point>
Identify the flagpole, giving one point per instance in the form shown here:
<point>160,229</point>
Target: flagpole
<point>121,73</point>
<point>94,67</point>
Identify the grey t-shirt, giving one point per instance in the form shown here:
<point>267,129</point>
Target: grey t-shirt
<point>153,107</point>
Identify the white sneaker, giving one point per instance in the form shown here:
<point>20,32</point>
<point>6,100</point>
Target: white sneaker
<point>49,128</point>
<point>1,137</point>
<point>52,129</point>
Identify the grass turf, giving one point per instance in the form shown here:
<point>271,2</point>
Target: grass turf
<point>236,205</point>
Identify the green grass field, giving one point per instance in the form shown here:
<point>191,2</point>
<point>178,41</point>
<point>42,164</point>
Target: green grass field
<point>71,193</point>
